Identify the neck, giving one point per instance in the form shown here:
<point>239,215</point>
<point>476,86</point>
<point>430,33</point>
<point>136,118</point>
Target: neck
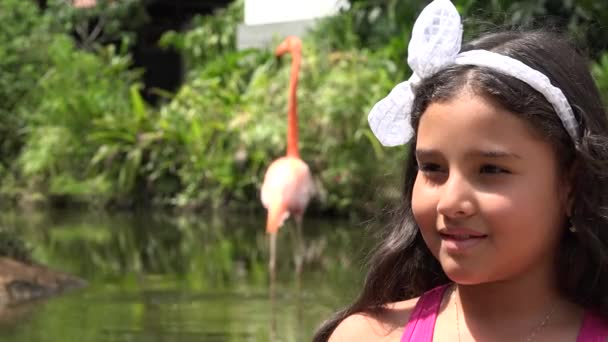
<point>520,301</point>
<point>292,123</point>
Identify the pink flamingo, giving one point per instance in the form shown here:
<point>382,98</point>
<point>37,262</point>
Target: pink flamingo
<point>288,185</point>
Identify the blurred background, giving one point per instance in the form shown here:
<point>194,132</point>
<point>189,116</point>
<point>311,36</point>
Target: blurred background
<point>134,137</point>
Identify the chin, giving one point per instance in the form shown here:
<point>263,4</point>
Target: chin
<point>462,275</point>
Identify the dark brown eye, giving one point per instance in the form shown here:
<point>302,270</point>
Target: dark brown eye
<point>492,169</point>
<point>429,167</point>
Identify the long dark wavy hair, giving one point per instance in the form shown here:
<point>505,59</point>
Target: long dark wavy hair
<point>402,266</point>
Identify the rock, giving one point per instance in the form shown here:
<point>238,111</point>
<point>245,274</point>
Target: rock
<point>25,281</point>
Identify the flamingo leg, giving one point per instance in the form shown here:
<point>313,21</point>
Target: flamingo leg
<point>273,300</point>
<point>273,256</point>
<point>272,239</point>
<point>299,260</point>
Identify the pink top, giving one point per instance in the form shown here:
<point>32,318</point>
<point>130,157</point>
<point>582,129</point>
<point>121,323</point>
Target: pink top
<point>421,325</point>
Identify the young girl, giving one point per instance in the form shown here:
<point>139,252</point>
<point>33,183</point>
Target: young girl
<point>502,234</point>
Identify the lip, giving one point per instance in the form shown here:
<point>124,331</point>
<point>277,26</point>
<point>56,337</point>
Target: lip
<point>460,239</point>
<point>460,231</point>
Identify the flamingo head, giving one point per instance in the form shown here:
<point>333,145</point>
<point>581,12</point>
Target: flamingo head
<point>290,44</point>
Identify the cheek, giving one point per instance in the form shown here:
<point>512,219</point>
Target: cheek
<point>523,210</point>
<point>530,194</point>
<point>500,208</point>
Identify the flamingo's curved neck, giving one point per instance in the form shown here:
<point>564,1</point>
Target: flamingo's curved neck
<point>292,119</point>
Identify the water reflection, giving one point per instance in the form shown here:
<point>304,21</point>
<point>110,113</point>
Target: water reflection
<point>159,277</point>
<point>273,310</point>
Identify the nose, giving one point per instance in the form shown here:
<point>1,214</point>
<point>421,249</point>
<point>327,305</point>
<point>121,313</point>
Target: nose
<point>457,197</point>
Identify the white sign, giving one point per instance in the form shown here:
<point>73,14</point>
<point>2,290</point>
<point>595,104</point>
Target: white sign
<point>259,12</point>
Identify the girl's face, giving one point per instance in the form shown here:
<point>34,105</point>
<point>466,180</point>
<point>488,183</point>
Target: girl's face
<point>488,197</point>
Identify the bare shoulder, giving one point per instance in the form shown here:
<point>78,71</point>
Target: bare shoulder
<point>386,325</point>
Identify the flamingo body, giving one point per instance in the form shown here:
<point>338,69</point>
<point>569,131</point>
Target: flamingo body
<point>287,189</point>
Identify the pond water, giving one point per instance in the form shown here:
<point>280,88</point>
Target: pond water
<point>161,277</point>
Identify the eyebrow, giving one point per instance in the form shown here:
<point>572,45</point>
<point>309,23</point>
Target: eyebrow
<point>498,154</point>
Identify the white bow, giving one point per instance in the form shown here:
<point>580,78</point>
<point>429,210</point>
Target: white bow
<point>435,43</point>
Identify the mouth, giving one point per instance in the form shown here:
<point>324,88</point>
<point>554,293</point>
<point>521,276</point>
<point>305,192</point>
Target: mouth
<point>460,240</point>
<point>461,237</point>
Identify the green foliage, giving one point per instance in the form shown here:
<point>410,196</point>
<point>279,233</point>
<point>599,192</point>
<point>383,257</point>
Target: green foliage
<point>199,135</point>
<point>34,45</point>
<point>107,22</point>
<point>599,70</point>
<point>53,93</point>
<point>13,246</point>
<point>77,95</point>
<point>23,41</point>
<point>209,36</point>
<point>123,142</point>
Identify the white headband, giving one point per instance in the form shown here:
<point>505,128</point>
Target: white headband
<point>435,44</point>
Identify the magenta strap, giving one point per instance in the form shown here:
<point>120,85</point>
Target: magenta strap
<point>594,329</point>
<point>421,324</point>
